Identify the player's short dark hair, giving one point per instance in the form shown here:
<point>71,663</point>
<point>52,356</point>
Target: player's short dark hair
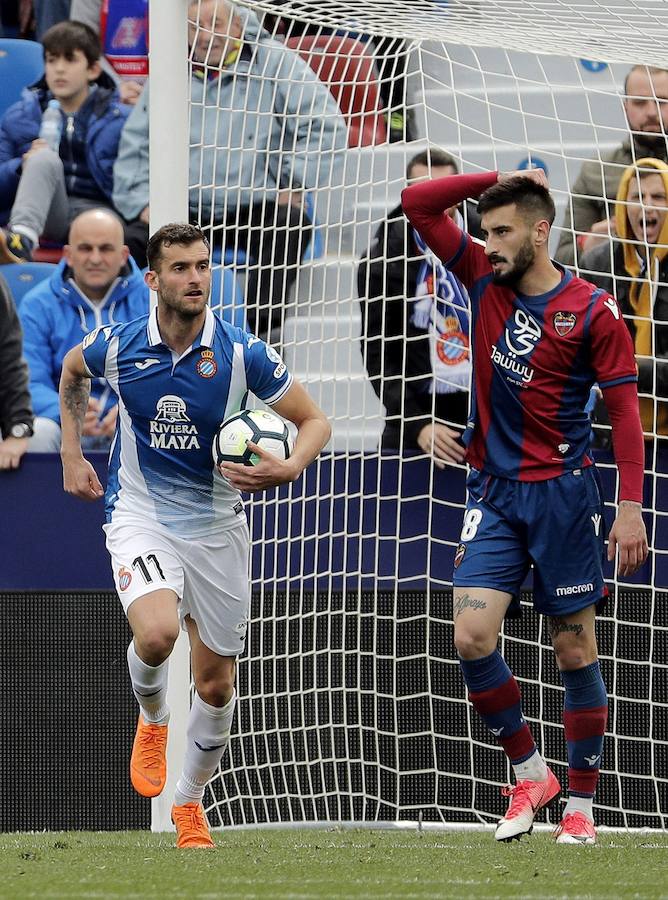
<point>174,233</point>
<point>432,156</point>
<point>533,200</point>
<point>65,38</point>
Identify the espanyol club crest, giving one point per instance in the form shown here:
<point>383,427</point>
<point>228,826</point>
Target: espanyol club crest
<point>206,364</point>
<point>124,578</point>
<point>452,344</point>
<point>564,323</point>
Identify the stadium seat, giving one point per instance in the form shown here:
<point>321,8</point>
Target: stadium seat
<point>24,276</point>
<point>347,68</point>
<point>21,64</point>
<point>48,252</point>
<point>227,296</point>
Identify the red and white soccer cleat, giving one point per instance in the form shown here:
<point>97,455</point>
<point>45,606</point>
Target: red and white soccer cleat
<point>526,798</point>
<point>575,828</point>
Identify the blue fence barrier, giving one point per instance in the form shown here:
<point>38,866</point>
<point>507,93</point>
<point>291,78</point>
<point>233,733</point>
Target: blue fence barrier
<point>355,521</point>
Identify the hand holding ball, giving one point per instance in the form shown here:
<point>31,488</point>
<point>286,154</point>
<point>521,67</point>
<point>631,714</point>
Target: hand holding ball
<point>259,426</point>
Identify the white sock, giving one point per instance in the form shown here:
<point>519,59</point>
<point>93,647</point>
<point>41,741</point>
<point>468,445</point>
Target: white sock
<point>532,769</point>
<point>580,804</point>
<point>208,727</point>
<point>32,236</point>
<point>149,684</point>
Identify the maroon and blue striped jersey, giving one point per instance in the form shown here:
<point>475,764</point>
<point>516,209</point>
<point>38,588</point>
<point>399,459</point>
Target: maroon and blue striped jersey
<point>535,358</point>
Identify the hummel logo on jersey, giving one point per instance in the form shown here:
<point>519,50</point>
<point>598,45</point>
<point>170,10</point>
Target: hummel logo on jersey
<point>612,306</point>
<point>596,521</point>
<point>147,363</point>
<point>172,429</point>
<point>593,760</point>
<point>497,731</point>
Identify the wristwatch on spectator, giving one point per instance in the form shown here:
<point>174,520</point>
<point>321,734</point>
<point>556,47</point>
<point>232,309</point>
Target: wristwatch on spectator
<point>21,430</point>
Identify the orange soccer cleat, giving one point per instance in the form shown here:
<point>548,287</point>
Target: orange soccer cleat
<point>192,828</point>
<point>148,765</point>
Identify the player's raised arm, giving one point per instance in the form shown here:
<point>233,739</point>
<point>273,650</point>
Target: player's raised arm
<point>426,206</point>
<point>79,477</point>
<point>313,432</point>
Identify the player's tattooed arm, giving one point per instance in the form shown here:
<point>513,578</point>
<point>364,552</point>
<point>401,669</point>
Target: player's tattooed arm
<point>466,601</point>
<point>79,476</point>
<point>558,625</point>
<point>75,399</point>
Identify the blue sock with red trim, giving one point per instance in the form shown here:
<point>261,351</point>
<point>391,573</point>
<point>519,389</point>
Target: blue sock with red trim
<point>495,696</point>
<point>585,718</point>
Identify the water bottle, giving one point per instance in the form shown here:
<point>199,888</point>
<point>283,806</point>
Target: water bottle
<point>52,125</point>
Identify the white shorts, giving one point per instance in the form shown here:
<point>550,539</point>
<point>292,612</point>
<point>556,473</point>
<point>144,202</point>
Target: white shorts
<point>210,576</point>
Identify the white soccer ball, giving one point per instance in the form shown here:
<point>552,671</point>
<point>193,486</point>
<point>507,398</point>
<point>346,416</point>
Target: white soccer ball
<point>263,428</point>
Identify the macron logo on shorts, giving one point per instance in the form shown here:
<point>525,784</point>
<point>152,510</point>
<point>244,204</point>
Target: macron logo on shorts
<point>575,589</point>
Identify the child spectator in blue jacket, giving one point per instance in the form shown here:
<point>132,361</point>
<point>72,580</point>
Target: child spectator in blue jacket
<point>47,190</point>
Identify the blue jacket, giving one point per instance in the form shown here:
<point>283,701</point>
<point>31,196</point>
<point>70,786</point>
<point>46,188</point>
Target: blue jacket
<point>266,123</point>
<point>99,129</point>
<point>56,317</point>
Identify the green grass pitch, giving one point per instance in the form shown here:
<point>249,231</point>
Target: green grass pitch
<point>330,863</point>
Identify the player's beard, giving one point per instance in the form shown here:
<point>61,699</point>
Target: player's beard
<point>650,143</point>
<point>181,306</point>
<point>523,261</point>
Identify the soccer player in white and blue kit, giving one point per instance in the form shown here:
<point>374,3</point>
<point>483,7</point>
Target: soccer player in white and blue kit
<point>175,527</point>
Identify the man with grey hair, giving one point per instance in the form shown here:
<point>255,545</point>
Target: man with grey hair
<point>590,212</point>
<point>264,131</point>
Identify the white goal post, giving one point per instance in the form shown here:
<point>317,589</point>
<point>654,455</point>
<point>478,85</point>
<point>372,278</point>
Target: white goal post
<point>351,707</point>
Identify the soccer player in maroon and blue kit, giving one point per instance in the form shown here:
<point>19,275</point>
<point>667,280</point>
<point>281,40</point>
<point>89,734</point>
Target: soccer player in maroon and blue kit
<point>541,338</point>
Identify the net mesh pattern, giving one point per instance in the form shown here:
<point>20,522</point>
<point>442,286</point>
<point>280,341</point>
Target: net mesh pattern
<point>351,704</point>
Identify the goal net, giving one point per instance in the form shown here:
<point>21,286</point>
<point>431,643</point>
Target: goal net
<point>303,119</point>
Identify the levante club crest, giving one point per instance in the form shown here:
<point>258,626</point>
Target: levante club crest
<point>564,323</point>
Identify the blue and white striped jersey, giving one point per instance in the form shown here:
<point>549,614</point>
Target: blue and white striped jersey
<point>169,409</point>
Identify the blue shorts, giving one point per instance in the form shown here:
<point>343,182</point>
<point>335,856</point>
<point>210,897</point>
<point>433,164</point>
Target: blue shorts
<point>555,525</point>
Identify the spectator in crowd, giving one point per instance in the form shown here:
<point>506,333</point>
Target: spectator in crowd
<point>39,15</point>
<point>16,418</point>
<point>634,269</point>
<point>391,61</point>
<point>49,189</point>
<point>589,218</point>
<point>96,284</point>
<point>122,26</point>
<point>49,13</point>
<point>415,330</point>
<point>263,131</point>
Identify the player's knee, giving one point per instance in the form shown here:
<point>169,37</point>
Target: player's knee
<point>474,641</point>
<point>154,645</point>
<point>216,689</point>
<point>574,656</point>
